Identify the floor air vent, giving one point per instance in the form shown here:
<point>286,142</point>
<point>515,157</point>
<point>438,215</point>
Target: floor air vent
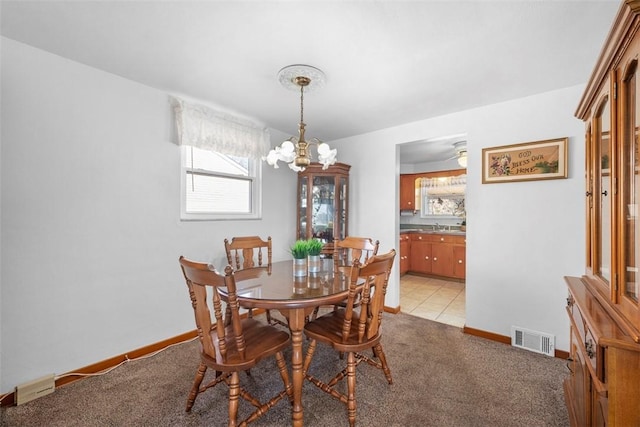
<point>533,341</point>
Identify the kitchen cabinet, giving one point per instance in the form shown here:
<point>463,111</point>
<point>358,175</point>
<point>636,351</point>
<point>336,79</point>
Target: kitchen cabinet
<point>322,204</point>
<point>460,261</point>
<point>603,385</point>
<point>408,199</point>
<point>442,257</point>
<point>420,253</point>
<point>438,254</point>
<point>448,252</point>
<point>405,253</point>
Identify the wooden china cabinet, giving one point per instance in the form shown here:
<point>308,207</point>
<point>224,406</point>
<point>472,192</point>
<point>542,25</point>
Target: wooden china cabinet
<point>603,386</point>
<point>323,203</point>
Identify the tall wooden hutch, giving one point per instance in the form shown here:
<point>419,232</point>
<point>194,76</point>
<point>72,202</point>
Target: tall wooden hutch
<point>323,203</point>
<point>603,386</point>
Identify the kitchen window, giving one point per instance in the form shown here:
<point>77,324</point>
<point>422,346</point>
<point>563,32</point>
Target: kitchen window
<point>443,197</point>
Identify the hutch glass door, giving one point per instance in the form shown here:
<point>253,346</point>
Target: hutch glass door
<point>323,203</point>
<point>603,168</point>
<point>630,182</point>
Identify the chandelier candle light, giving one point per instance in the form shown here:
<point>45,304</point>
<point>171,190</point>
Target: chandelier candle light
<point>296,150</point>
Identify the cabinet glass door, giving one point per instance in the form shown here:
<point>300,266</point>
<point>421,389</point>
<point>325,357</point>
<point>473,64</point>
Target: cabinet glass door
<point>342,208</point>
<point>322,208</point>
<point>302,214</point>
<point>603,188</point>
<point>589,204</point>
<point>629,173</point>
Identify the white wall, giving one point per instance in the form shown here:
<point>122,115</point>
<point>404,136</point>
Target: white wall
<point>1,352</point>
<point>429,166</point>
<point>91,231</point>
<point>90,223</point>
<point>522,238</point>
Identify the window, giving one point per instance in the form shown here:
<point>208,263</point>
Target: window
<point>443,197</point>
<point>220,169</point>
<point>444,205</point>
<point>217,186</point>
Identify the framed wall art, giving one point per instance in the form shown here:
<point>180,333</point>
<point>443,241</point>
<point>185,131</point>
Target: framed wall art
<point>525,162</point>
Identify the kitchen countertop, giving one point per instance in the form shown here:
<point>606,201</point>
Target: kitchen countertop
<point>427,231</point>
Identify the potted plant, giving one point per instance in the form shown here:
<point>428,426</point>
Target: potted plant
<point>463,217</point>
<point>314,248</point>
<point>299,251</point>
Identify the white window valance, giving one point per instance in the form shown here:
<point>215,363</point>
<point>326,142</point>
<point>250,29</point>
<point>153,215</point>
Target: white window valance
<point>444,185</point>
<point>205,128</point>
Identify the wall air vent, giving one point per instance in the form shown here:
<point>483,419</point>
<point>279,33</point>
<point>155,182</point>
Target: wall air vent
<point>537,342</point>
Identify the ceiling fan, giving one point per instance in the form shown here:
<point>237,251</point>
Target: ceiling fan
<point>460,148</point>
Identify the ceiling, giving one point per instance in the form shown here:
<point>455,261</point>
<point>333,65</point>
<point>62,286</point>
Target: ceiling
<point>387,62</point>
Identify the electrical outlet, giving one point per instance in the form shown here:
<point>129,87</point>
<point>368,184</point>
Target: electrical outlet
<point>34,389</point>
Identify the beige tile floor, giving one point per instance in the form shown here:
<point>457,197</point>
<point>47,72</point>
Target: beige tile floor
<point>434,299</point>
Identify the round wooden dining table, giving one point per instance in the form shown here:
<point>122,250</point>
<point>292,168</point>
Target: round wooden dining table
<point>276,288</point>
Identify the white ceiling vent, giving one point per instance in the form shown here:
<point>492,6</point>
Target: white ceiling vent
<point>535,341</point>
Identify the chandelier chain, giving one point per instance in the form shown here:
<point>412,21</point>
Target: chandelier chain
<point>301,104</point>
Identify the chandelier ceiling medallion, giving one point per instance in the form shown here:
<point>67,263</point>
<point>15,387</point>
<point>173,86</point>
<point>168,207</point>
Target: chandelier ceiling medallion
<point>296,151</point>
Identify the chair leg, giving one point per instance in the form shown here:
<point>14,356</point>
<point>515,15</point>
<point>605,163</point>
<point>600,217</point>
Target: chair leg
<point>234,395</point>
<point>379,353</point>
<point>284,373</point>
<point>351,388</point>
<point>307,358</point>
<point>202,369</point>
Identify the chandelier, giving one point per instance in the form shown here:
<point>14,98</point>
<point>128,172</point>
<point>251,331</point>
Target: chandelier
<point>296,151</point>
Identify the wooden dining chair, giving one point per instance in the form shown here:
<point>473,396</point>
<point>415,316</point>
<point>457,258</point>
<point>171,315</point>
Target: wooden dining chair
<point>230,348</point>
<point>350,248</point>
<point>248,252</point>
<point>251,252</point>
<point>347,250</point>
<point>353,330</point>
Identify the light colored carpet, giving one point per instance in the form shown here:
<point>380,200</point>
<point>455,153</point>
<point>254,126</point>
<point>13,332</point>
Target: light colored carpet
<point>442,377</point>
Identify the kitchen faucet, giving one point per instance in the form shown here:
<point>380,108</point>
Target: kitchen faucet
<point>438,227</point>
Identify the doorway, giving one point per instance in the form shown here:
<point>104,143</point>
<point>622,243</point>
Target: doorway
<point>436,299</point>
